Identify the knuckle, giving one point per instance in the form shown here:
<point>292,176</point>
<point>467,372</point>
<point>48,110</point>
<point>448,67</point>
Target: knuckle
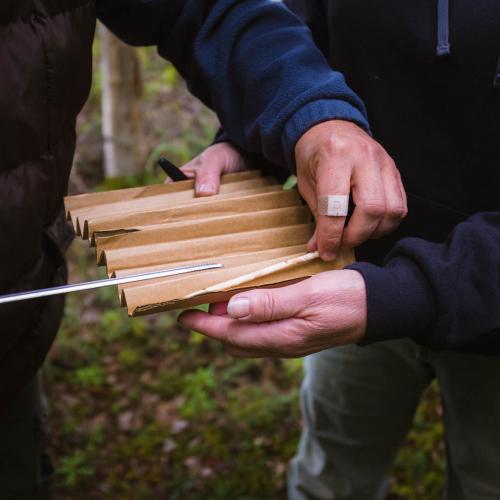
<point>313,294</point>
<point>354,240</point>
<point>330,240</point>
<point>398,212</point>
<point>396,209</point>
<point>266,306</point>
<point>372,149</point>
<point>374,207</point>
<point>337,146</point>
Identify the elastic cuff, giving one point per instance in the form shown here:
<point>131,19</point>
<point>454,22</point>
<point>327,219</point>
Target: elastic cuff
<point>313,113</point>
<point>399,300</point>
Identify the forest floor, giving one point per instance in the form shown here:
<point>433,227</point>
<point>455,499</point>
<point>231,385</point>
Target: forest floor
<point>141,408</point>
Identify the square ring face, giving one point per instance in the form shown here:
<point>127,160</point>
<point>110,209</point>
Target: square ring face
<point>333,205</point>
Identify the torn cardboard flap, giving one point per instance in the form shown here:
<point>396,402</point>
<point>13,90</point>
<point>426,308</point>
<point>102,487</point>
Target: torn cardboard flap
<point>249,226</point>
<point>228,261</point>
<point>170,295</point>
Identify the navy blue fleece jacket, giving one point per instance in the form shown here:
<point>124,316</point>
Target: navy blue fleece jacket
<point>443,295</point>
<point>252,61</point>
<point>431,83</point>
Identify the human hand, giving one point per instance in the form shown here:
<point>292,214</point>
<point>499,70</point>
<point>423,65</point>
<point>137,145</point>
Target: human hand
<point>209,165</point>
<point>326,310</point>
<point>335,158</point>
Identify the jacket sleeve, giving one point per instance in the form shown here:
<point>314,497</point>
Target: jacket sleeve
<point>314,14</point>
<point>253,61</point>
<point>444,296</point>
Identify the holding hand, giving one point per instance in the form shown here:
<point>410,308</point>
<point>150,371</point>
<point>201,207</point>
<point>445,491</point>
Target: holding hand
<point>336,158</point>
<point>208,167</point>
<point>326,310</point>
<point>333,158</point>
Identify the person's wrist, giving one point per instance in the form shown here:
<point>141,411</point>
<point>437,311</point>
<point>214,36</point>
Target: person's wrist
<point>356,299</point>
<point>314,113</point>
<point>337,301</point>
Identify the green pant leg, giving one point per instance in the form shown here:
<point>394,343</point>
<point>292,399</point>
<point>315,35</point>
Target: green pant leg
<point>25,471</point>
<point>470,389</point>
<point>357,405</point>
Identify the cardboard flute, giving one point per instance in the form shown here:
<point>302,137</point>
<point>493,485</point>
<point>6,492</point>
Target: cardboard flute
<point>250,226</point>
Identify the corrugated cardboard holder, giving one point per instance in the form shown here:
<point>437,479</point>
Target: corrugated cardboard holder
<point>251,224</point>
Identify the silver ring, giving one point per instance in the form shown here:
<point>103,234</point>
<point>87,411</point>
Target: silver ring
<point>333,205</point>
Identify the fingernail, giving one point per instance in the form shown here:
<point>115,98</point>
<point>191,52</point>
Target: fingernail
<point>208,188</point>
<point>328,256</point>
<point>239,307</point>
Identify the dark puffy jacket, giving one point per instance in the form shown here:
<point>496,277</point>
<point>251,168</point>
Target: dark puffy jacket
<point>45,72</point>
<point>270,94</point>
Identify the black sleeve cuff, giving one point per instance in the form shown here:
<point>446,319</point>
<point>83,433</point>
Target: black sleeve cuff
<point>221,136</point>
<point>400,301</point>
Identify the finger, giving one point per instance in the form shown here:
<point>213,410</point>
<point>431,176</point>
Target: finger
<point>187,169</point>
<point>267,304</point>
<point>211,325</point>
<point>307,189</point>
<point>332,178</point>
<point>369,200</point>
<point>242,339</point>
<point>208,171</point>
<point>395,202</point>
<point>231,332</point>
<point>312,244</point>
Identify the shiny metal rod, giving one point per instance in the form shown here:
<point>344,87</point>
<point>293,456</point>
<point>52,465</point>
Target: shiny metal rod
<point>90,285</point>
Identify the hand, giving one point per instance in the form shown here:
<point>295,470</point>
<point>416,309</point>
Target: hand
<point>326,310</point>
<point>208,166</point>
<point>335,158</point>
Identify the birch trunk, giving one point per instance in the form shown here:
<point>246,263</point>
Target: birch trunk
<point>121,106</point>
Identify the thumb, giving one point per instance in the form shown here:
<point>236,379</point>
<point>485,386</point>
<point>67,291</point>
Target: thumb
<point>265,305</point>
<point>207,182</point>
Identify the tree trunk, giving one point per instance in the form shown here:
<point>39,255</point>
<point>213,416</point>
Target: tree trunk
<point>121,106</point>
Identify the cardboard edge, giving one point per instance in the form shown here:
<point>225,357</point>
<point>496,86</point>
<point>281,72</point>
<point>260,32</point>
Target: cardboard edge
<point>205,298</point>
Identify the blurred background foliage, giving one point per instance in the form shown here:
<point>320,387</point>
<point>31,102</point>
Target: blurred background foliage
<point>143,409</point>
